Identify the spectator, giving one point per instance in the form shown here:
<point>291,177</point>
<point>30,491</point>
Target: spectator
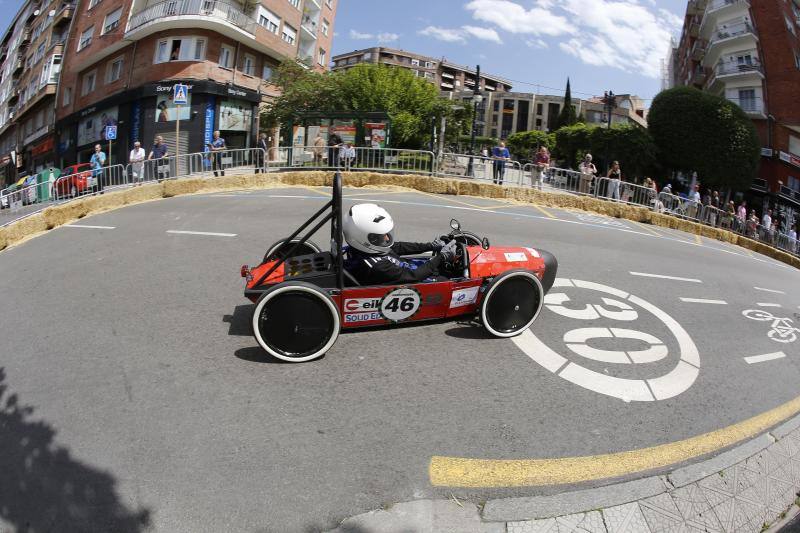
<point>542,163</point>
<point>667,189</point>
<point>715,200</point>
<point>261,154</point>
<point>766,224</point>
<point>730,215</point>
<point>693,209</point>
<point>588,171</point>
<point>614,177</point>
<point>793,240</point>
<point>136,159</point>
<point>752,225</point>
<point>484,152</point>
<point>347,154</point>
<point>500,155</point>
<point>217,146</point>
<point>334,144</point>
<point>741,216</point>
<point>158,153</point>
<point>98,160</point>
<point>319,150</point>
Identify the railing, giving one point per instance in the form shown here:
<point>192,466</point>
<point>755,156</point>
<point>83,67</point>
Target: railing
<point>734,30</point>
<point>724,68</point>
<point>749,105</point>
<point>628,193</point>
<point>719,4</point>
<point>480,168</point>
<point>216,9</point>
<point>391,160</point>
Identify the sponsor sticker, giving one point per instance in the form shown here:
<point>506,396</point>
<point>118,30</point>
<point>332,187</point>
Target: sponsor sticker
<point>400,304</point>
<point>361,304</point>
<point>515,256</point>
<point>354,318</point>
<point>533,252</point>
<point>463,297</point>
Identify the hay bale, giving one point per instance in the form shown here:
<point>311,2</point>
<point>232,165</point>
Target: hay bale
<point>3,238</point>
<point>181,186</point>
<point>25,228</point>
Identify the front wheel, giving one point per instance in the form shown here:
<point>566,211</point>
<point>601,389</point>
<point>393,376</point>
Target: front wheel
<point>296,322</point>
<point>512,302</point>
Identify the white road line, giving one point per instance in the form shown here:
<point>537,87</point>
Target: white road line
<point>768,305</point>
<point>766,357</point>
<point>176,232</point>
<point>88,227</point>
<point>660,276</point>
<point>768,290</point>
<point>702,301</point>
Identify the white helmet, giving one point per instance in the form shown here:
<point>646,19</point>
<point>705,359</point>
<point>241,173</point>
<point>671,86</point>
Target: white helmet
<point>368,227</point>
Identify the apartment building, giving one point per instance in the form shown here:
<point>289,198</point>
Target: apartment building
<point>124,57</point>
<point>512,112</point>
<point>31,53</point>
<point>748,51</point>
<point>447,76</point>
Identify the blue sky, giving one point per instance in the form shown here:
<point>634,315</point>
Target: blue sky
<point>599,44</point>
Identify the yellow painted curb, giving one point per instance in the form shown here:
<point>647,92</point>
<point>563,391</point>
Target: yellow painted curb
<point>495,473</point>
<point>71,211</point>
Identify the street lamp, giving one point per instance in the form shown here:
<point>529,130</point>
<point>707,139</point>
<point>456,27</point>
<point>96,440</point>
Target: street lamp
<point>609,103</point>
<point>477,98</point>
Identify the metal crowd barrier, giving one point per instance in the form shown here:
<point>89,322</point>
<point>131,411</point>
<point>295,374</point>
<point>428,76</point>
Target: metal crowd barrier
<point>479,167</point>
<point>680,207</point>
<point>622,191</point>
<point>391,160</point>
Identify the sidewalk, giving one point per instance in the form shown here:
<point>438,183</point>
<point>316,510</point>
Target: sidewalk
<point>745,489</point>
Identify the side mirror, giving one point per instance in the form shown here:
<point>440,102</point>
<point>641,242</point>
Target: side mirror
<point>485,243</point>
<point>455,224</point>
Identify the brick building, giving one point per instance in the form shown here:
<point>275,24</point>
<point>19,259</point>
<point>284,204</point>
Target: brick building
<point>749,52</point>
<point>124,56</point>
<point>447,76</point>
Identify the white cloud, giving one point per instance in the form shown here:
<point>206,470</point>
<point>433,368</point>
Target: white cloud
<point>383,37</point>
<point>462,34</point>
<point>630,35</point>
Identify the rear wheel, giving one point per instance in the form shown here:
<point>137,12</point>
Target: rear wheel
<point>296,322</point>
<point>283,247</point>
<point>512,302</point>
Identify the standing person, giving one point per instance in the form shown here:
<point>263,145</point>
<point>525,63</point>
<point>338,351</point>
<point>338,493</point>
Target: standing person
<point>347,154</point>
<point>98,160</point>
<point>793,240</point>
<point>588,171</point>
<point>542,163</point>
<point>261,153</point>
<point>136,159</point>
<point>741,216</point>
<point>484,152</point>
<point>158,153</point>
<point>334,143</point>
<point>319,150</point>
<point>217,146</point>
<point>694,202</point>
<point>766,224</point>
<point>614,177</point>
<point>500,155</point>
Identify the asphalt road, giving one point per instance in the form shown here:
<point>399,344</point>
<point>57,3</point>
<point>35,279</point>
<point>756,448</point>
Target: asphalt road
<point>132,392</point>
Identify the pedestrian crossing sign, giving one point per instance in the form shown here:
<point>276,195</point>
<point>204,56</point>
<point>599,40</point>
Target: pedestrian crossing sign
<point>179,96</point>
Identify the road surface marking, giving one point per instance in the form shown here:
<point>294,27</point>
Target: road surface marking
<point>768,305</point>
<point>703,301</point>
<point>766,357</point>
<point>768,290</point>
<point>646,228</point>
<point>474,206</point>
<point>546,212</point>
<point>296,196</point>
<point>88,227</point>
<point>207,233</point>
<point>698,240</point>
<point>486,473</point>
<point>661,276</point>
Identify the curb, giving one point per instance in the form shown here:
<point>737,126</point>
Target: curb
<point>746,488</point>
<point>69,212</point>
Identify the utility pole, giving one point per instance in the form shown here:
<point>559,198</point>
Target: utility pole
<point>609,104</point>
<point>476,100</point>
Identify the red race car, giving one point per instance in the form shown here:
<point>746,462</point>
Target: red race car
<point>304,297</point>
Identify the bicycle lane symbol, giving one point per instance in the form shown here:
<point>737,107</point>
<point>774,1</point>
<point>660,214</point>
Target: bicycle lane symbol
<point>781,329</point>
<point>612,306</point>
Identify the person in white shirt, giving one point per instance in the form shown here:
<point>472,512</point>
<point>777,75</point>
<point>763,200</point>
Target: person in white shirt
<point>136,159</point>
<point>766,226</point>
<point>347,155</point>
<point>588,171</point>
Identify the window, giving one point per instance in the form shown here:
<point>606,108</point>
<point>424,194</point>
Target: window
<point>269,20</point>
<point>321,57</point>
<point>325,27</point>
<point>249,65</point>
<point>539,109</point>
<point>295,3</point>
<point>86,38</point>
<point>430,64</point>
<point>415,62</point>
<point>39,53</point>
<point>266,72</point>
<point>55,68</point>
<point>225,56</point>
<point>794,144</point>
<point>93,3</point>
<point>67,99</point>
<point>112,21</point>
<point>289,34</point>
<point>180,49</point>
<point>89,80</point>
<point>329,3</point>
<point>114,71</point>
<point>539,122</point>
<point>747,99</point>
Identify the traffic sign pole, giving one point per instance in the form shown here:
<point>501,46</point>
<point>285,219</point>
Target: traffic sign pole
<point>177,136</point>
<point>179,98</point>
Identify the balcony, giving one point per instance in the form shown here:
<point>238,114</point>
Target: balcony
<point>759,185</point>
<point>698,76</point>
<point>208,14</point>
<point>698,49</point>
<point>752,106</point>
<point>25,40</point>
<point>739,36</point>
<point>717,10</point>
<point>3,53</point>
<point>64,15</point>
<point>19,66</point>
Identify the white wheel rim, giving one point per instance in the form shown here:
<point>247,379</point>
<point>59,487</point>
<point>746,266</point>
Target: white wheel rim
<point>263,301</point>
<point>494,286</point>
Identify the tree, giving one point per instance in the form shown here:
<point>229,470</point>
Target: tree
<point>697,131</point>
<point>523,143</point>
<point>572,142</point>
<point>567,115</point>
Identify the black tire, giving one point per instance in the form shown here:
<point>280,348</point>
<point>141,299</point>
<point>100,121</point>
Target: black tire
<point>280,248</point>
<point>512,302</point>
<point>296,322</point>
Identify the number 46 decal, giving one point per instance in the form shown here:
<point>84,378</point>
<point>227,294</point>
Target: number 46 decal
<point>400,304</point>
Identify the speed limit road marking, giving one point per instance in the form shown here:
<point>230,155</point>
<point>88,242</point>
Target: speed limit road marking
<point>612,304</point>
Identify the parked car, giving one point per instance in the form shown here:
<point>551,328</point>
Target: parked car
<point>5,194</point>
<point>75,180</point>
